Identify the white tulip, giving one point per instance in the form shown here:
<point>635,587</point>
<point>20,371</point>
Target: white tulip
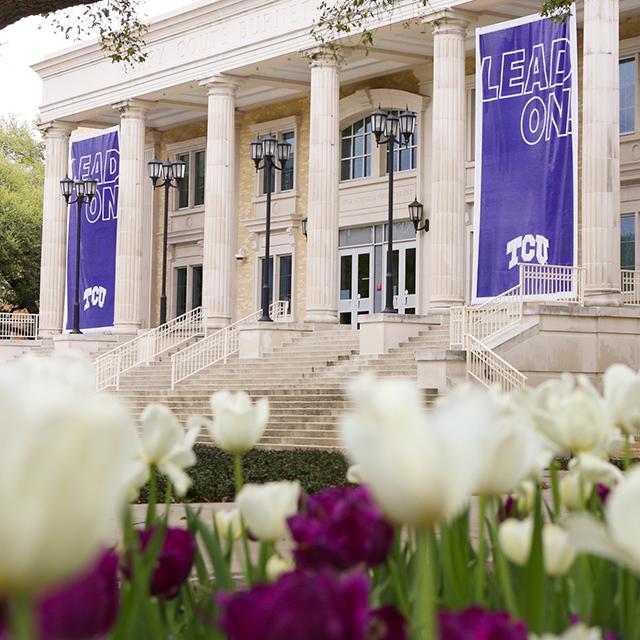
<point>277,565</point>
<point>421,468</point>
<point>266,507</point>
<point>515,539</point>
<point>594,470</point>
<point>64,454</point>
<point>570,412</point>
<point>516,536</point>
<point>354,474</point>
<point>618,538</point>
<point>237,424</point>
<point>621,387</point>
<point>575,632</point>
<point>525,496</point>
<point>559,554</point>
<point>512,450</point>
<point>228,522</point>
<point>574,491</point>
<point>165,444</point>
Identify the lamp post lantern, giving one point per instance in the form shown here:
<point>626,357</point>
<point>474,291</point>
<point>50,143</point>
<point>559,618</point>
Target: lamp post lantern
<point>391,129</point>
<point>416,211</point>
<point>85,191</point>
<point>167,175</point>
<point>270,154</point>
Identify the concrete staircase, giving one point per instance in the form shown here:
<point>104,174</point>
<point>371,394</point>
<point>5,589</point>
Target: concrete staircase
<point>304,380</point>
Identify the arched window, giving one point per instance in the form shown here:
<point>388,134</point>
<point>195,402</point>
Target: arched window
<point>356,150</point>
<point>405,156</point>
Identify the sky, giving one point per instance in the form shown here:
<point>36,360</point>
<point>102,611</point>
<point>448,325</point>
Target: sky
<point>31,40</point>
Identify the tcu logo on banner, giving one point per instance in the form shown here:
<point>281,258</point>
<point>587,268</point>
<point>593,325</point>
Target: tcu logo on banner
<point>526,150</point>
<point>96,157</point>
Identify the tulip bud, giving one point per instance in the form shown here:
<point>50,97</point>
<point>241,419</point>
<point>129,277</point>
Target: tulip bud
<point>228,521</point>
<point>574,491</point>
<point>515,539</point>
<point>266,507</point>
<point>277,565</point>
<point>237,423</point>
<point>558,552</point>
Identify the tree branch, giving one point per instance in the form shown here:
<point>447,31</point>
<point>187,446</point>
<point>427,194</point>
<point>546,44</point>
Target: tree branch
<point>13,10</point>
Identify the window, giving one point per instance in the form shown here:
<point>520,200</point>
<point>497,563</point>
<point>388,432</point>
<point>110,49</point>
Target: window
<point>282,180</point>
<point>281,284</point>
<point>356,150</point>
<point>405,155</point>
<point>628,241</point>
<point>181,291</point>
<point>191,189</point>
<point>187,288</point>
<point>627,95</point>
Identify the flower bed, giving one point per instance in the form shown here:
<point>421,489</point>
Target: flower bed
<point>391,559</point>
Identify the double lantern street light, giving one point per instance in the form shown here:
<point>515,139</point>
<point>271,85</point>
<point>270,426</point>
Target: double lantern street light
<point>167,175</point>
<point>84,191</point>
<point>391,129</point>
<point>270,154</point>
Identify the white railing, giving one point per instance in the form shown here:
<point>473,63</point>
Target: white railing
<point>630,286</point>
<point>216,347</point>
<point>146,347</point>
<point>19,326</point>
<point>552,282</point>
<point>489,369</point>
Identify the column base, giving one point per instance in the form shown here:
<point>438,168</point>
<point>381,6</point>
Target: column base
<point>602,298</point>
<point>126,328</point>
<point>321,316</point>
<point>442,305</point>
<point>215,323</point>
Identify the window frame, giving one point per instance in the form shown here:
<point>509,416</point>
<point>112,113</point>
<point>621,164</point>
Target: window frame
<point>190,267</point>
<point>275,257</point>
<point>190,148</point>
<point>633,216</point>
<point>627,58</point>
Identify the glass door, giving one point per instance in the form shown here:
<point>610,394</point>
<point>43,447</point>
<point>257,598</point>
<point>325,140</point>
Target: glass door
<point>356,285</point>
<point>404,278</point>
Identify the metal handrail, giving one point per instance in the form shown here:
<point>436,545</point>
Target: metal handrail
<point>146,347</point>
<point>19,325</point>
<point>216,347</point>
<point>486,367</point>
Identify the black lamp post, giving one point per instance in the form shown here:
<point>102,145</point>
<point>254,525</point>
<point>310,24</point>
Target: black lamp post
<point>391,129</point>
<point>167,175</point>
<point>270,154</point>
<point>85,190</point>
<point>416,211</point>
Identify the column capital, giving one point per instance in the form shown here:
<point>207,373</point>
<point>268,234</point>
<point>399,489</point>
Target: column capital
<point>449,21</point>
<point>131,108</point>
<point>56,128</point>
<point>221,83</point>
<point>322,56</point>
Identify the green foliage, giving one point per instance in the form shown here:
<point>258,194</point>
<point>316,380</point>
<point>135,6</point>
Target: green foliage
<point>117,24</point>
<point>213,474</point>
<point>21,181</point>
<point>351,19</point>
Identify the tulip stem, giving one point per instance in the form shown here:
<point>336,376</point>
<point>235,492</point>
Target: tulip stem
<point>153,496</point>
<point>238,470</point>
<point>426,596</point>
<point>21,616</point>
<point>481,567</point>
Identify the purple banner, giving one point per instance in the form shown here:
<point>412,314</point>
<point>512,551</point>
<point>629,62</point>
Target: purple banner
<point>96,157</point>
<point>526,150</point>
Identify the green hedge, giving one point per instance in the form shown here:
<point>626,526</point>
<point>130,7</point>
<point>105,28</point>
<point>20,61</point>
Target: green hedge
<point>214,480</point>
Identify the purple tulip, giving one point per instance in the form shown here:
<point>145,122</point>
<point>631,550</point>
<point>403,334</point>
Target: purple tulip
<point>386,623</point>
<point>603,492</point>
<point>85,608</point>
<point>173,564</point>
<point>478,624</point>
<point>301,605</point>
<point>342,528</point>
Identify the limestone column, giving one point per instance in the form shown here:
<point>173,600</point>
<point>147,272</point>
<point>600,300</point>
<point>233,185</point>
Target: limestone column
<point>219,202</point>
<point>324,176</point>
<point>601,153</point>
<point>448,159</point>
<point>129,243</point>
<point>54,228</point>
